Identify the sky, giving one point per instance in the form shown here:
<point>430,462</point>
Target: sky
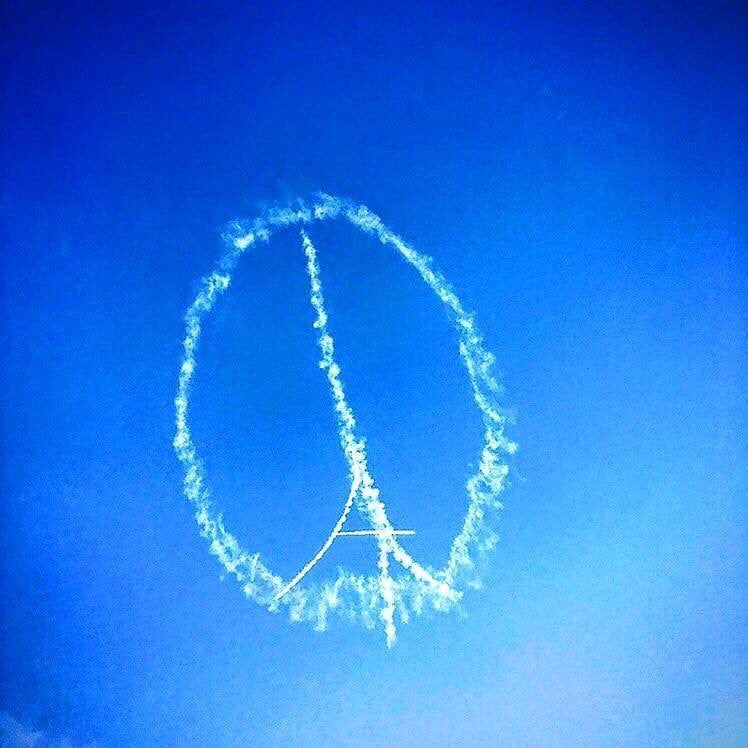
<point>577,172</point>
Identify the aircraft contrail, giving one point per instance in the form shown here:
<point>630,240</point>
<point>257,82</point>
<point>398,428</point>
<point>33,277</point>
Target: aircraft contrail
<point>353,596</point>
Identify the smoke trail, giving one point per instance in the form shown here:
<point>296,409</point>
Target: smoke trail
<point>352,596</point>
<point>363,487</point>
<point>345,418</point>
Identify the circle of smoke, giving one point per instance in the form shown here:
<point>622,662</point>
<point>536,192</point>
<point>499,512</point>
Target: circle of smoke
<point>352,596</point>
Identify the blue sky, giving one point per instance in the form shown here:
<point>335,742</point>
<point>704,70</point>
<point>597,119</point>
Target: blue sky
<point>577,172</point>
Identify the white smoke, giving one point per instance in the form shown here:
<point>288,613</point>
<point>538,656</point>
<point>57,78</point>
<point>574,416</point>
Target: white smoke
<point>352,596</point>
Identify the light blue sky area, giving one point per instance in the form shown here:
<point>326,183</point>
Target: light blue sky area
<point>577,173</point>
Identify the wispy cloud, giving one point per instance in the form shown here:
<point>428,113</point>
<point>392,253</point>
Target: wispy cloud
<point>13,734</point>
<point>16,735</point>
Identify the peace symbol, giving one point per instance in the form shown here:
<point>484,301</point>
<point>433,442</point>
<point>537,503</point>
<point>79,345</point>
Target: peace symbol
<point>382,596</point>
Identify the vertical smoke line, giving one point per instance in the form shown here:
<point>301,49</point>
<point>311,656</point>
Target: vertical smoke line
<point>363,488</point>
<point>483,487</point>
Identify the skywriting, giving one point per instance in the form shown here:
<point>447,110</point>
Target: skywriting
<point>401,585</point>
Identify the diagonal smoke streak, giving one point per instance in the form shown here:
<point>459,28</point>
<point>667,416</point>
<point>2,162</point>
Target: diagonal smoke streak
<point>350,595</point>
<point>345,417</point>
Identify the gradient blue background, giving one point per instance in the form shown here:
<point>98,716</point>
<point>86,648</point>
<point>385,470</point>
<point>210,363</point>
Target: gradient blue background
<point>577,172</point>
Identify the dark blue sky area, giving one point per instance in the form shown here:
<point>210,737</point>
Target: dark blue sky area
<point>577,170</point>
